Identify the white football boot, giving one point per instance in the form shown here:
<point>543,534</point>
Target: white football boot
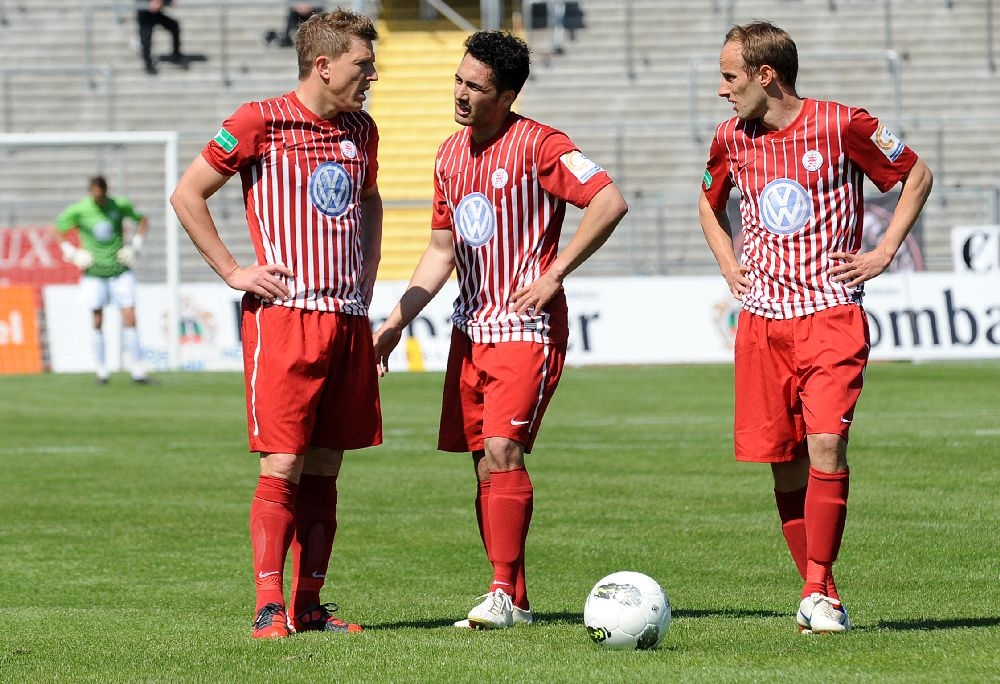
<point>820,614</point>
<point>517,617</point>
<point>495,612</point>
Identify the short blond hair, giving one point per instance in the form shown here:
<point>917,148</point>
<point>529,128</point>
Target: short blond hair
<point>329,34</point>
<point>764,43</point>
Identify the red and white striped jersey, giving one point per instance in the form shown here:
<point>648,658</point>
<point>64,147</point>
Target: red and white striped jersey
<point>302,182</point>
<point>504,201</point>
<point>802,198</point>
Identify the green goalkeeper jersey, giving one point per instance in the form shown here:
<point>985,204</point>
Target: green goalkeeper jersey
<point>100,230</point>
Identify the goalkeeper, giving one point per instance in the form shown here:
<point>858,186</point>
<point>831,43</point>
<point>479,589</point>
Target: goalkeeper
<point>106,262</point>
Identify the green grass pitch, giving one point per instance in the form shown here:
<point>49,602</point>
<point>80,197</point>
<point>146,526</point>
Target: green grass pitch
<point>124,553</point>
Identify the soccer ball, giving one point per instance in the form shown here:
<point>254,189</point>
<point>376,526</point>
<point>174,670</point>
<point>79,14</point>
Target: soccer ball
<point>627,610</point>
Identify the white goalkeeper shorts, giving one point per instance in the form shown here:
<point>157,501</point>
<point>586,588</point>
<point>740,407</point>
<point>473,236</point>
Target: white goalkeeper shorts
<point>99,292</point>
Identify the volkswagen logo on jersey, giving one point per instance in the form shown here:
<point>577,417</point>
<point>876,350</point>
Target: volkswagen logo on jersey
<point>785,206</point>
<point>330,189</point>
<point>475,219</point>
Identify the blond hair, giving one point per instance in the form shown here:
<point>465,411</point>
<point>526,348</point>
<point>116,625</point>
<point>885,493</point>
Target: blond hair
<point>329,34</point>
<point>764,43</point>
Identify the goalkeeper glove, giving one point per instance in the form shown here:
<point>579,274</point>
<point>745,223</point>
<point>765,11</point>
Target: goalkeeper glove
<point>129,254</point>
<point>77,256</point>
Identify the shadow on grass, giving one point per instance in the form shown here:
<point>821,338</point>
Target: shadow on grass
<point>554,619</point>
<point>932,624</point>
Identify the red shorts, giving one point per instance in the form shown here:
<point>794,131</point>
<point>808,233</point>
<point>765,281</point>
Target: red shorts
<point>310,379</point>
<point>796,377</point>
<point>497,390</point>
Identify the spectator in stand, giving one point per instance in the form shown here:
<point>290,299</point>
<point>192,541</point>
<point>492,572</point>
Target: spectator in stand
<point>106,262</point>
<point>149,13</point>
<point>298,12</point>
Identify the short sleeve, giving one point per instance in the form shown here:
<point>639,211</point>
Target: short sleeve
<point>440,212</point>
<point>877,151</point>
<point>564,171</point>
<point>371,154</point>
<point>716,182</point>
<point>128,209</point>
<point>238,142</point>
<point>68,219</point>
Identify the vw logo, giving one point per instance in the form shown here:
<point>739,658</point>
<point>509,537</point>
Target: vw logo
<point>330,189</point>
<point>475,219</point>
<point>785,206</point>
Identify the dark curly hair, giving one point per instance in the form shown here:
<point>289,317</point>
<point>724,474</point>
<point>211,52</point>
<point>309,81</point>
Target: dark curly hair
<point>507,56</point>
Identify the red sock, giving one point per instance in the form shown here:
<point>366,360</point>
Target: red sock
<point>791,511</point>
<point>272,519</point>
<point>510,504</point>
<point>826,513</point>
<point>315,528</point>
<point>520,597</point>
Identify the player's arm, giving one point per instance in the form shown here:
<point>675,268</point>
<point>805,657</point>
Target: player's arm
<point>432,272</point>
<point>719,236</point>
<point>371,239</point>
<point>190,201</point>
<point>604,212</point>
<point>129,253</point>
<point>855,269</point>
<point>78,256</point>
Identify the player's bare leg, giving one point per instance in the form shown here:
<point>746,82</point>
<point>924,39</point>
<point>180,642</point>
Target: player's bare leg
<point>315,530</point>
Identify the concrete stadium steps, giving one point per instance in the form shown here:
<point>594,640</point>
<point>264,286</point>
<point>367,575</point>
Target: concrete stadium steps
<point>633,117</point>
<point>406,230</point>
<point>413,106</point>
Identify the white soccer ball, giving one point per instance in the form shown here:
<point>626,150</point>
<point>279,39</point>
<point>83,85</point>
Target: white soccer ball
<point>627,610</point>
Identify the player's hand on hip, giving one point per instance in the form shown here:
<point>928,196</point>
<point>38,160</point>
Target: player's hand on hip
<point>534,297</point>
<point>854,269</point>
<point>263,280</point>
<point>384,340</point>
<point>739,283</point>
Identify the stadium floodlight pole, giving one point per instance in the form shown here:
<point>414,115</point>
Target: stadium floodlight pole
<point>171,228</point>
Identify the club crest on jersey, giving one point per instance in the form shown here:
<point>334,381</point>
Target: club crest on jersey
<point>348,149</point>
<point>499,178</point>
<point>812,160</point>
<point>331,189</point>
<point>580,166</point>
<point>785,206</point>
<point>475,219</point>
<point>890,145</point>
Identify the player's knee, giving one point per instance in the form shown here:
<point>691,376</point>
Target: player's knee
<point>503,454</point>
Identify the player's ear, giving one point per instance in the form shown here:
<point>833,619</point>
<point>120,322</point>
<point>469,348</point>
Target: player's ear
<point>767,75</point>
<point>322,66</point>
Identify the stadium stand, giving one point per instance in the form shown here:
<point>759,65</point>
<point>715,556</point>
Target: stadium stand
<point>635,89</point>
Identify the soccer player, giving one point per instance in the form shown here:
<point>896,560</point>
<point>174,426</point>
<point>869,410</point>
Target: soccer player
<point>802,339</point>
<point>501,184</point>
<point>106,262</point>
<point>308,163</point>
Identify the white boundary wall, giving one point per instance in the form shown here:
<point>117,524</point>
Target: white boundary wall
<point>919,316</point>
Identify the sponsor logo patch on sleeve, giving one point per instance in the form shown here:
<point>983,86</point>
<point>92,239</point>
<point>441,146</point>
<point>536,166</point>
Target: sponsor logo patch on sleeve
<point>226,140</point>
<point>890,145</point>
<point>580,166</point>
<point>707,179</point>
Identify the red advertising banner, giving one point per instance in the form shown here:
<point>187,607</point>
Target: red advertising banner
<point>31,256</point>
